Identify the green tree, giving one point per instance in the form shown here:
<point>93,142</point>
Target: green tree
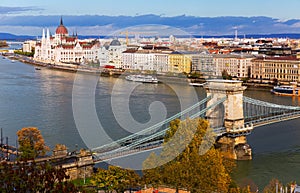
<point>226,75</point>
<point>115,179</point>
<point>32,143</point>
<point>20,52</point>
<point>192,169</point>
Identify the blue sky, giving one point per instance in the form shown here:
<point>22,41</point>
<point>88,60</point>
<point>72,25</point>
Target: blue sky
<point>207,8</point>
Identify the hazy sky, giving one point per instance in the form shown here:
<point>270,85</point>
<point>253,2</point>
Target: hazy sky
<point>273,8</point>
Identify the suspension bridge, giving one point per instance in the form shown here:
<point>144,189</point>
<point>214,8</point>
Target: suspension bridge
<point>232,116</point>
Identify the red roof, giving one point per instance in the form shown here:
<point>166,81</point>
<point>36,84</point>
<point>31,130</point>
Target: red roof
<point>278,58</point>
<point>66,46</point>
<point>62,30</point>
<point>87,46</point>
<point>70,39</point>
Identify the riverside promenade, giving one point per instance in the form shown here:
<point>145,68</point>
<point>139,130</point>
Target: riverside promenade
<point>63,66</point>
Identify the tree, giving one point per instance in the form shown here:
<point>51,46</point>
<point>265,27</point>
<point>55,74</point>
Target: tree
<point>271,187</point>
<point>115,178</point>
<point>34,177</point>
<point>192,169</point>
<point>31,143</point>
<point>226,75</point>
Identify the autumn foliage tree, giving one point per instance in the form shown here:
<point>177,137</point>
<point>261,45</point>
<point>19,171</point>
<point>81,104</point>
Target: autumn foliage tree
<point>34,177</point>
<point>31,142</point>
<point>199,167</point>
<point>115,179</point>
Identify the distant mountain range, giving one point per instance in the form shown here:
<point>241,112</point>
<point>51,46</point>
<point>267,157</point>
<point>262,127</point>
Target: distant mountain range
<point>12,37</point>
<point>9,36</point>
<point>103,25</point>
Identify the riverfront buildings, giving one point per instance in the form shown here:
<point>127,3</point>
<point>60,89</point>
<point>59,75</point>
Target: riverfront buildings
<point>255,59</point>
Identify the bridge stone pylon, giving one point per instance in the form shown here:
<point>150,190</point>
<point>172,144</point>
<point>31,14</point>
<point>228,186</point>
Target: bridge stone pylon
<point>230,115</point>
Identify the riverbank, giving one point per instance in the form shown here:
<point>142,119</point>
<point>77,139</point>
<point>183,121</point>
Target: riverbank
<point>90,70</point>
<point>118,72</point>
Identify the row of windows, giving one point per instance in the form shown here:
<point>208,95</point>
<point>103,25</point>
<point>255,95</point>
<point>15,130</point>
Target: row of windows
<point>286,77</point>
<point>281,65</point>
<point>283,71</point>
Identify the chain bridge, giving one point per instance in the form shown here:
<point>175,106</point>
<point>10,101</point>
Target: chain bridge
<point>232,117</point>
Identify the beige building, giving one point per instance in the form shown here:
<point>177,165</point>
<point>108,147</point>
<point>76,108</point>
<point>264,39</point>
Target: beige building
<point>29,45</point>
<point>285,68</point>
<point>237,65</point>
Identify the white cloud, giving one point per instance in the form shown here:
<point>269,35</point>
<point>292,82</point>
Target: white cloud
<point>296,25</point>
<point>21,30</point>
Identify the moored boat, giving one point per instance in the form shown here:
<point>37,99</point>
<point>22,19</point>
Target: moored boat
<point>197,84</point>
<point>142,78</point>
<point>286,90</point>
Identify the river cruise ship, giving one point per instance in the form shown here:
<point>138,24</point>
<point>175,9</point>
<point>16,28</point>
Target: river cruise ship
<point>142,78</point>
<point>286,90</point>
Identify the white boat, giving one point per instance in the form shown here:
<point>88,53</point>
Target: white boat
<point>286,90</point>
<point>142,78</point>
<point>196,84</point>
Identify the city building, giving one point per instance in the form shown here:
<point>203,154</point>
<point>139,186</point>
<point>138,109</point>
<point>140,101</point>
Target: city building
<point>180,62</point>
<point>283,69</point>
<point>203,62</point>
<point>112,54</point>
<point>149,57</point>
<point>29,46</point>
<point>236,65</point>
<point>62,48</point>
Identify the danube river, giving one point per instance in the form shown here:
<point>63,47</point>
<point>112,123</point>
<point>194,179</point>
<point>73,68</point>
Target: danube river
<point>45,99</point>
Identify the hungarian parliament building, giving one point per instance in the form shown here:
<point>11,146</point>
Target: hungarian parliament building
<point>62,48</point>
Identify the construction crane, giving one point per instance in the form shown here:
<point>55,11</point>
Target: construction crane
<point>127,33</point>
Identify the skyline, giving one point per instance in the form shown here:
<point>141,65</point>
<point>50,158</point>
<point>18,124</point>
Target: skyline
<point>98,17</point>
<point>199,8</point>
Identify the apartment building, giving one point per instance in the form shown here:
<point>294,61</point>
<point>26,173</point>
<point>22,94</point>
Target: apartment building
<point>284,68</point>
<point>180,62</point>
<point>237,65</point>
<point>204,63</point>
<point>150,57</point>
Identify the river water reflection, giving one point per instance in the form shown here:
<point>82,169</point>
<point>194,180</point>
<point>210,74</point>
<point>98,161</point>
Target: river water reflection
<point>43,99</point>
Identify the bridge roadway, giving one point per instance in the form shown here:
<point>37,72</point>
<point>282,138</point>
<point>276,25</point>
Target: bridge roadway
<point>154,145</point>
<point>115,154</point>
<point>275,119</point>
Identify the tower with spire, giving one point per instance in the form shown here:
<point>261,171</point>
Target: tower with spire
<point>62,48</point>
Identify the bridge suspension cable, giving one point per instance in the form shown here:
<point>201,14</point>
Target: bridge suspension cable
<point>151,129</point>
<point>262,113</point>
<point>256,113</point>
<point>161,133</point>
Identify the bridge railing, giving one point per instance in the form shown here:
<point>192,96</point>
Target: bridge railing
<point>257,111</point>
<point>273,119</point>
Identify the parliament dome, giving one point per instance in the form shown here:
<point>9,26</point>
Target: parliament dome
<point>61,29</point>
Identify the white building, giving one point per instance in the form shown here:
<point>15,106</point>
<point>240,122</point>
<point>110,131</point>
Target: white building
<point>149,57</point>
<point>112,54</point>
<point>62,48</point>
<point>28,45</point>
